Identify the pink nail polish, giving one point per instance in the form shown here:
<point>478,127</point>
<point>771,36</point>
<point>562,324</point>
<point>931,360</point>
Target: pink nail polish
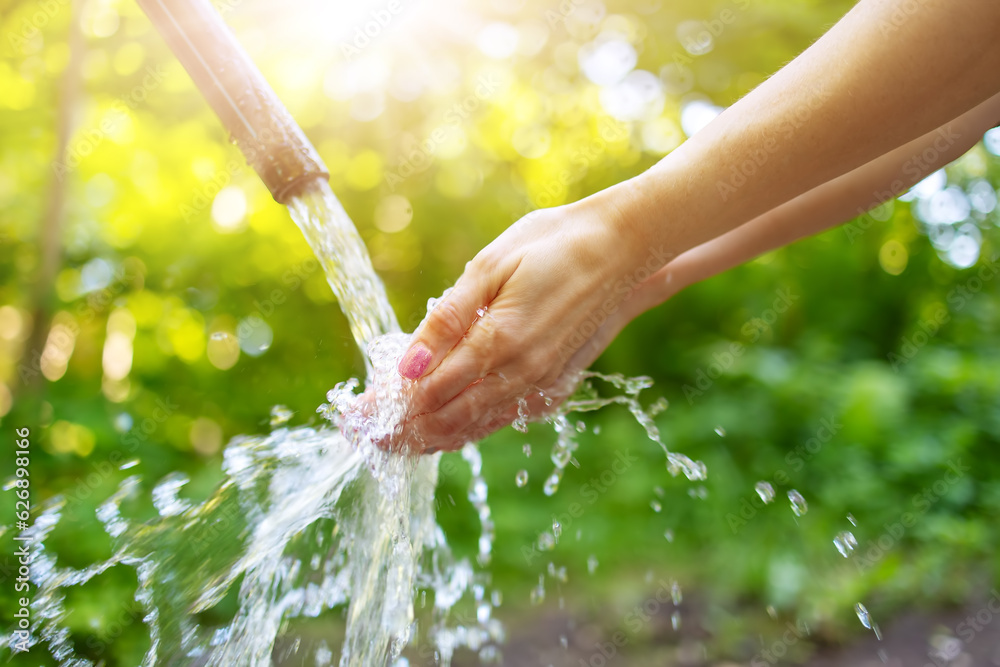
<point>415,362</point>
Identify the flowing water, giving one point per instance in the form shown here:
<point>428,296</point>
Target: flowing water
<point>310,519</point>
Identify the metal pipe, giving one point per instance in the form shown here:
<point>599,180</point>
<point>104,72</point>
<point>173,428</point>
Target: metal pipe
<point>257,121</point>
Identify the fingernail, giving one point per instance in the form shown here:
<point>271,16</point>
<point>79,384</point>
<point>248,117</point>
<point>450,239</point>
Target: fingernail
<point>415,362</point>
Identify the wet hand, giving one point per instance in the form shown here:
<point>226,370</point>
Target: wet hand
<point>534,308</point>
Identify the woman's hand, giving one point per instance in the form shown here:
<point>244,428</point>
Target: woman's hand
<point>531,310</point>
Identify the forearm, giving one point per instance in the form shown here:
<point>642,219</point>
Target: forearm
<point>856,94</point>
<point>825,206</point>
<point>838,200</point>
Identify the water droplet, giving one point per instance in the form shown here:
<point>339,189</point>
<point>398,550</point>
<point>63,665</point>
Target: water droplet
<point>765,491</point>
<point>478,491</point>
<point>526,449</point>
<point>123,422</point>
<point>669,535</point>
<point>799,505</point>
<point>552,483</point>
<point>496,598</point>
<point>280,415</point>
<point>219,335</point>
<point>546,542</point>
<point>597,430</point>
<point>772,612</point>
<point>558,573</point>
<point>675,620</point>
<point>719,431</point>
<point>658,490</point>
<point>850,517</point>
<point>556,529</point>
<point>490,655</point>
<point>675,593</point>
<point>483,612</point>
<point>521,423</point>
<point>655,504</point>
<point>845,543</point>
<point>129,464</point>
<point>659,406</point>
<point>863,615</point>
<point>521,478</point>
<point>699,492</point>
<point>538,592</point>
<point>591,563</point>
<point>564,641</point>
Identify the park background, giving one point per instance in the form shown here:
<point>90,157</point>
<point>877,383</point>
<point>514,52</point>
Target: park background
<point>174,304</point>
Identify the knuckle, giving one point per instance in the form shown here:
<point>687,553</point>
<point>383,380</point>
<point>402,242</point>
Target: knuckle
<point>446,321</point>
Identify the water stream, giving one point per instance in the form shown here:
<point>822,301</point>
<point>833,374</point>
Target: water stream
<point>309,519</point>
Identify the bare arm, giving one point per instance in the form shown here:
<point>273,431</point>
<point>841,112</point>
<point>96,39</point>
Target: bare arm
<point>883,77</point>
<point>831,203</point>
<point>823,207</point>
<point>877,80</point>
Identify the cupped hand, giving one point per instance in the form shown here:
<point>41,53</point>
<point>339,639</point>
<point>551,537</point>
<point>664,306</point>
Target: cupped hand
<point>534,308</point>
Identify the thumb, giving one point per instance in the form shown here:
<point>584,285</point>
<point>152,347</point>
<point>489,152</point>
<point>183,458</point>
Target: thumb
<point>446,324</point>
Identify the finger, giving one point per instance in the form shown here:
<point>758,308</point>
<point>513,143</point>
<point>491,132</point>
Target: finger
<point>471,415</point>
<point>451,318</point>
<point>475,434</point>
<point>468,363</point>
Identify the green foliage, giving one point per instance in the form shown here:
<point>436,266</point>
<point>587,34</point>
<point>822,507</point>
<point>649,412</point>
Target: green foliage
<point>141,201</point>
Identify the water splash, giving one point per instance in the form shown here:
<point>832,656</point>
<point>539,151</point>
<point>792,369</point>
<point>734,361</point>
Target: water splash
<point>845,543</point>
<point>310,519</point>
<point>866,620</point>
<point>765,491</point>
<point>799,504</point>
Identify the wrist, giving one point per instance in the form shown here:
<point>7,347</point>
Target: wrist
<point>628,213</point>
